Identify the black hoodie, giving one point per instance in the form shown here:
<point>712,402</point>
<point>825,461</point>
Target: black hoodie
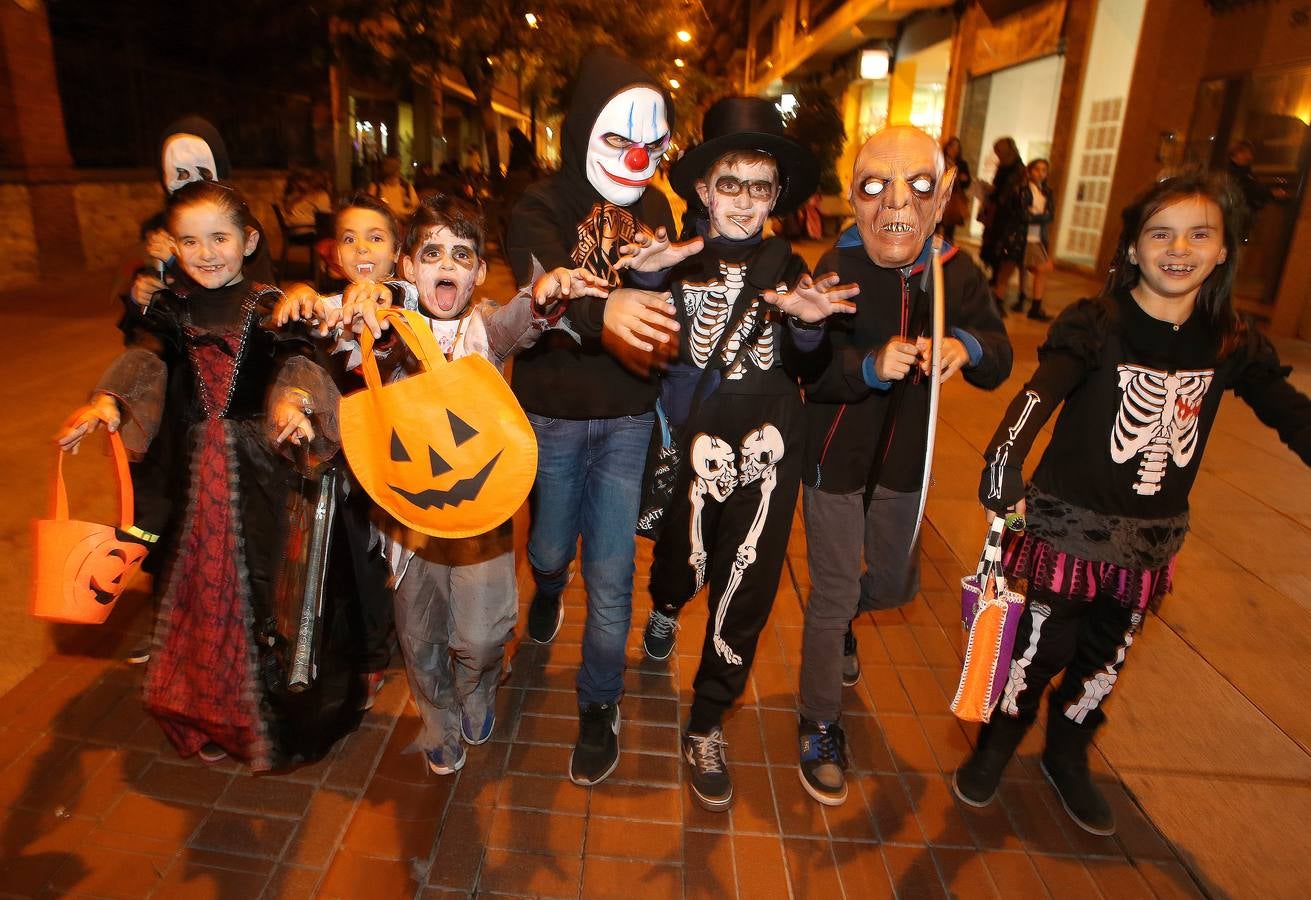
<point>566,376</point>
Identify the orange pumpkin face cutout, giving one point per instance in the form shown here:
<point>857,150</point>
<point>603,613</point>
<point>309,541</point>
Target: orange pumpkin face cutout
<point>447,451</point>
<point>82,568</point>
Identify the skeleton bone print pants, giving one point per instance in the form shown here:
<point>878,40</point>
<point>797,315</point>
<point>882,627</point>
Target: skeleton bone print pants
<point>1089,639</point>
<point>727,527</point>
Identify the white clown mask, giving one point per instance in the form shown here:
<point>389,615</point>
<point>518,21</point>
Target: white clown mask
<point>187,158</point>
<point>628,140</point>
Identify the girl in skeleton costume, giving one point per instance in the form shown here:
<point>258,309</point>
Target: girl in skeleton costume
<point>734,489</point>
<point>239,391</point>
<point>1140,371</point>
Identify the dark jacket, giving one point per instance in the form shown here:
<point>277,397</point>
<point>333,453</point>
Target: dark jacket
<point>564,221</point>
<point>848,422</point>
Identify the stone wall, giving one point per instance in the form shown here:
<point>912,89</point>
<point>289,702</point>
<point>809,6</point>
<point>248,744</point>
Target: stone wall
<point>109,208</point>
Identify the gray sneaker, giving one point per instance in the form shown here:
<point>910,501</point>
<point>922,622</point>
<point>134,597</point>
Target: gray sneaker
<point>711,784</point>
<point>823,753</point>
<point>850,661</point>
<point>659,635</point>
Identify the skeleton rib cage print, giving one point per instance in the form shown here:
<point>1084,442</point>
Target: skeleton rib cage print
<point>709,307</point>
<point>1158,420</point>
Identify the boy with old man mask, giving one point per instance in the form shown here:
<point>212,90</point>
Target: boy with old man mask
<point>866,418</point>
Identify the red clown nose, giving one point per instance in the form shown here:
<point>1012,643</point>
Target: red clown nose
<point>637,159</point>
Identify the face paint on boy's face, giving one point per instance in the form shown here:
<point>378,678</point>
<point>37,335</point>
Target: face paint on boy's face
<point>365,246</point>
<point>445,268</point>
<point>187,158</point>
<point>741,215</point>
<point>211,247</point>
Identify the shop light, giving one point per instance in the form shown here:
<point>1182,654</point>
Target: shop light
<point>787,105</point>
<point>873,64</point>
<point>550,132</point>
<point>530,19</point>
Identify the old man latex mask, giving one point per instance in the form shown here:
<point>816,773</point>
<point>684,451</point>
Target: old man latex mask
<point>898,191</point>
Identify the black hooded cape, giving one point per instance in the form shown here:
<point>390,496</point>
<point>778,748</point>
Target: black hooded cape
<point>564,376</point>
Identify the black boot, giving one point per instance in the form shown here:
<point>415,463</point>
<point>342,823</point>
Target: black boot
<point>1036,313</point>
<point>975,782</point>
<point>1065,763</point>
<point>1018,305</point>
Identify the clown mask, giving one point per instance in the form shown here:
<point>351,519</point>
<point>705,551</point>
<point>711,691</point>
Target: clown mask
<point>445,268</point>
<point>187,158</point>
<point>628,140</point>
<point>898,192</point>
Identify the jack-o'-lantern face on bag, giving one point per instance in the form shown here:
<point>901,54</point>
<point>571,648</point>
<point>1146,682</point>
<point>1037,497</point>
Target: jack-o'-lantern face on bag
<point>447,451</point>
<point>83,567</point>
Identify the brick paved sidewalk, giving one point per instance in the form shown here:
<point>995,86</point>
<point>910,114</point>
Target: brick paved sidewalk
<point>97,804</point>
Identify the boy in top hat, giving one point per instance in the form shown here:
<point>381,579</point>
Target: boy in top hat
<point>729,403</point>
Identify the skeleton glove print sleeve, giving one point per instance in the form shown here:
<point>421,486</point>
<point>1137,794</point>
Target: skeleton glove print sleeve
<point>1002,484</point>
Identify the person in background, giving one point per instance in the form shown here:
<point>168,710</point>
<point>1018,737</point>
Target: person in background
<point>1033,211</point>
<point>395,190</point>
<point>996,213</point>
<point>958,205</point>
<point>304,196</point>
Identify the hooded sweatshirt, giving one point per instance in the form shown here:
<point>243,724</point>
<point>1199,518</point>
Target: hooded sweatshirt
<point>564,221</point>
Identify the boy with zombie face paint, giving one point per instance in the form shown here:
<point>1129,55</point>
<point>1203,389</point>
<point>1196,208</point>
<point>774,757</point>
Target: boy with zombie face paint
<point>456,599</point>
<point>866,421</point>
<point>592,416</point>
<point>729,411</point>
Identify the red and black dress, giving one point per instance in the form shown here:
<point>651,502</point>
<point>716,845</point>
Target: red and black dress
<point>214,675</point>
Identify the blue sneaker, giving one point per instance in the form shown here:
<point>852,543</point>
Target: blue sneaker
<point>823,766</point>
<point>446,760</point>
<point>475,728</point>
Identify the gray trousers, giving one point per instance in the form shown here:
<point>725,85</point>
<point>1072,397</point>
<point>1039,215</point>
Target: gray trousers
<point>858,562</point>
<point>456,608</point>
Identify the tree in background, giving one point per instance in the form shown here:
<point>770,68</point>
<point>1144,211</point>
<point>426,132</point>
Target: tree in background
<point>485,39</point>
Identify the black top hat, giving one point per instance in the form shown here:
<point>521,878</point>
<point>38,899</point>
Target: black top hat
<point>748,123</point>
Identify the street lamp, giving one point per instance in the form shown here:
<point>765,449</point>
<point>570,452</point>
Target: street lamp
<point>679,63</point>
<point>684,35</point>
<point>530,19</point>
<point>673,83</point>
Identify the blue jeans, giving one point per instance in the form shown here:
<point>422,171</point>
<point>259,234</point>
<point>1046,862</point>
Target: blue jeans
<point>589,482</point>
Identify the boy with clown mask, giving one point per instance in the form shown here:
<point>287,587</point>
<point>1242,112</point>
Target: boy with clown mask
<point>592,416</point>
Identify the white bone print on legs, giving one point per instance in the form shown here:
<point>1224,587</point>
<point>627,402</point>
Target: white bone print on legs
<point>1158,417</point>
<point>712,463</point>
<point>708,306</point>
<point>758,458</point>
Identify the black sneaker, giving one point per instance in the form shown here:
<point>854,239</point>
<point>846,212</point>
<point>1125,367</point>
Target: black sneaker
<point>823,761</point>
<point>850,661</point>
<point>1080,796</point>
<point>545,617</point>
<point>138,655</point>
<point>658,636</point>
<point>711,785</point>
<point>597,752</point>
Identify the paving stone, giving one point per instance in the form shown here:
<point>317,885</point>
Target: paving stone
<point>630,878</point>
<point>243,834</point>
<point>352,876</point>
<point>531,874</point>
<point>709,869</point>
<point>761,871</point>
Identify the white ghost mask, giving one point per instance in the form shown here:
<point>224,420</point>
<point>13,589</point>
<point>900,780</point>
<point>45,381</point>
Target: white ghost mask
<point>628,140</point>
<point>187,158</point>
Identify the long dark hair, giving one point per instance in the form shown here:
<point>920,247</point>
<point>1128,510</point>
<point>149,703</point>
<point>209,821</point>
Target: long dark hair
<point>1215,297</point>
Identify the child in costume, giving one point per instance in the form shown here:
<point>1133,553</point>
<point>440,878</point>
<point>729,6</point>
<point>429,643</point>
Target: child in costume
<point>1140,370</point>
<point>1033,210</point>
<point>732,403</point>
<point>867,413</point>
<point>367,245</point>
<point>214,682</point>
<point>456,600</point>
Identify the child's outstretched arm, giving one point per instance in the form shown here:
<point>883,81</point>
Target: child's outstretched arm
<point>1263,385</point>
<point>814,300</point>
<point>652,251</point>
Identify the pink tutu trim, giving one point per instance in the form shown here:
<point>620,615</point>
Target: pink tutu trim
<point>1054,571</point>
